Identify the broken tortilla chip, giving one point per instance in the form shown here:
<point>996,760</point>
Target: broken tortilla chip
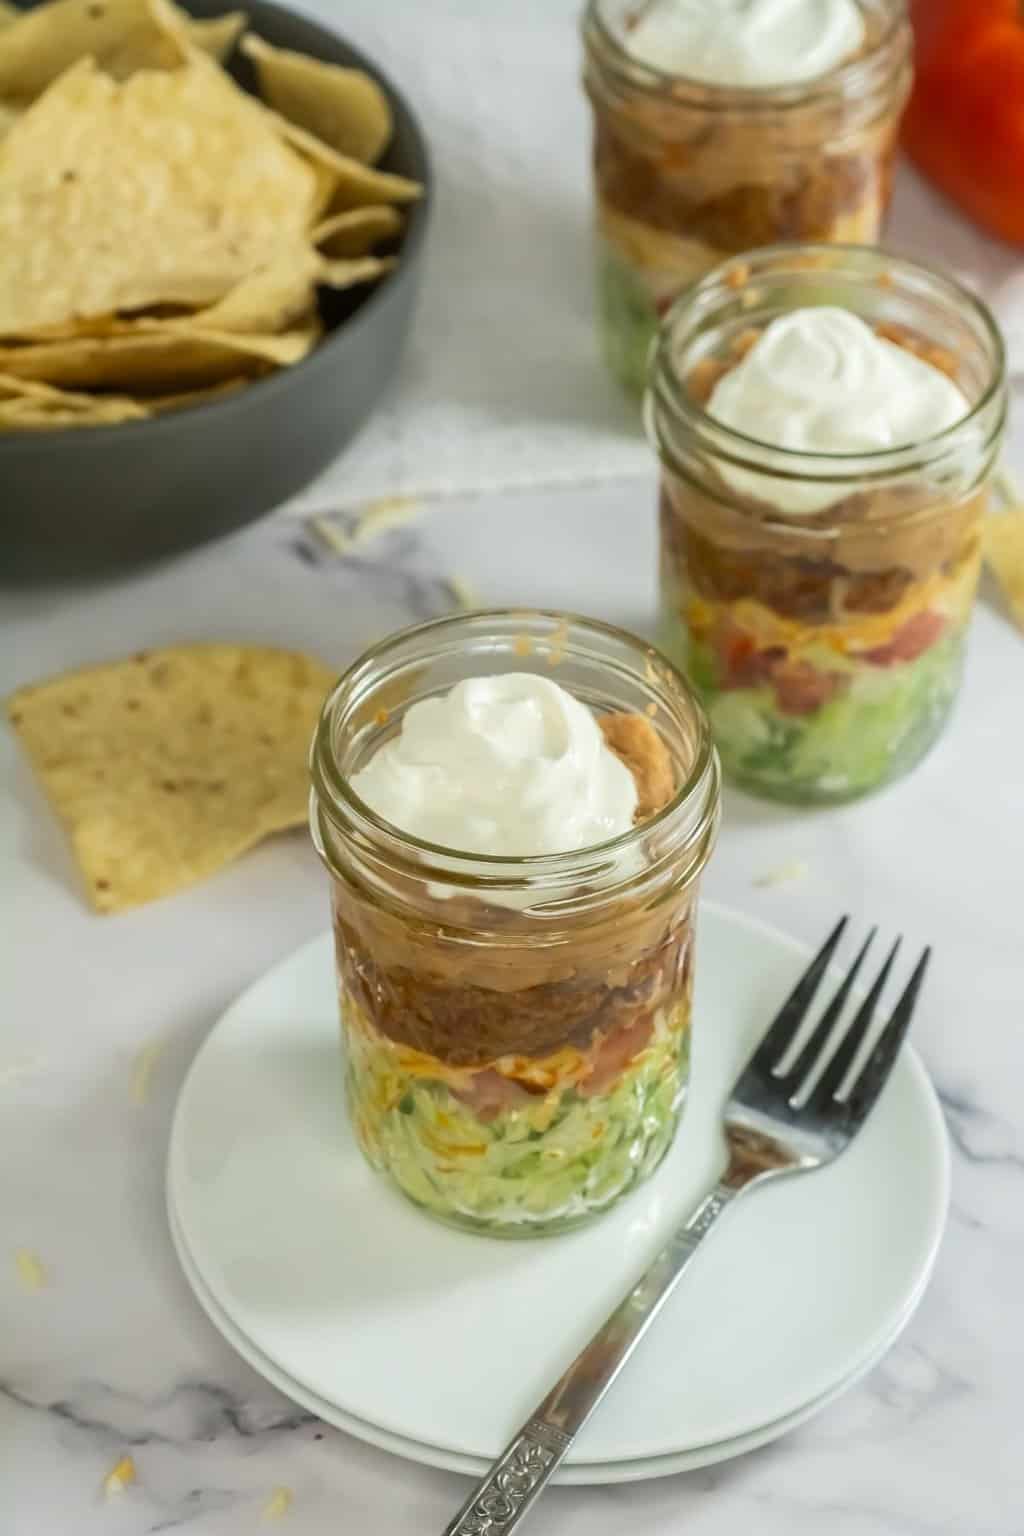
<point>165,767</point>
<point>357,230</point>
<point>344,108</point>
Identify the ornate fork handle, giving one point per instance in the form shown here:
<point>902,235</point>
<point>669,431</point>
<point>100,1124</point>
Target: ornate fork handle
<point>504,1496</point>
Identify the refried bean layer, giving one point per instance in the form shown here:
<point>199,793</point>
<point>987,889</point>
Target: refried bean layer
<point>470,982</point>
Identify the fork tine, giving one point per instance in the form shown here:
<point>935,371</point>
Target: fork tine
<point>879,1064</point>
<point>790,1016</point>
<point>833,1075</point>
<point>811,1052</point>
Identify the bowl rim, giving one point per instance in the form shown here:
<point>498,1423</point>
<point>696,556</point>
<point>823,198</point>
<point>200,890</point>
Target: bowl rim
<point>13,444</point>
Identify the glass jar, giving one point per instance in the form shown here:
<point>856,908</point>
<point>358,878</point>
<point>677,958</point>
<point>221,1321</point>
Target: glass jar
<point>827,647</point>
<point>516,1030</point>
<point>687,173</point>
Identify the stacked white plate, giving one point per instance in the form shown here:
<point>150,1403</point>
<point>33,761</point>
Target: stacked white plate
<point>435,1344</point>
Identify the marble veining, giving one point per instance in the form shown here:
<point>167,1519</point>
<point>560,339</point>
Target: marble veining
<point>110,1357</point>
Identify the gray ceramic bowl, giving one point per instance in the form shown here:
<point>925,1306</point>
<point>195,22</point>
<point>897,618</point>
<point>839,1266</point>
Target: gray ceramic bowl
<point>95,498</point>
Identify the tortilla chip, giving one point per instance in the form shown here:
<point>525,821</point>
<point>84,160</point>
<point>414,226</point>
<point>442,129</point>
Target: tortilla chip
<point>283,294</point>
<point>165,767</point>
<point>157,361</point>
<point>176,145</point>
<point>46,416</point>
<point>159,404</point>
<point>27,405</point>
<point>8,117</point>
<point>344,108</point>
<point>356,231</point>
<point>279,297</point>
<point>8,13</point>
<point>120,35</point>
<point>1004,554</point>
<point>353,185</point>
<point>218,36</point>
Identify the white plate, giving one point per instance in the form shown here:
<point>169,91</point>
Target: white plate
<point>447,1340</point>
<point>580,1473</point>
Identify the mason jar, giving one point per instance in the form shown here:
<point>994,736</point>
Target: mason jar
<point>827,648</point>
<point>516,1031</point>
<point>688,173</point>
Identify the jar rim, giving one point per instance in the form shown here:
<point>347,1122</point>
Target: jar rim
<point>854,78</point>
<point>483,871</point>
<point>665,387</point>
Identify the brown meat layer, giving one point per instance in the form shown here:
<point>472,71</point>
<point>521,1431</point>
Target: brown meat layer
<point>468,1025</point>
<point>468,983</point>
<point>805,201</point>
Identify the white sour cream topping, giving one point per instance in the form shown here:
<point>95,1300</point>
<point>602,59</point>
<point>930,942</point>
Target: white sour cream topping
<point>502,766</point>
<point>820,381</point>
<point>747,42</point>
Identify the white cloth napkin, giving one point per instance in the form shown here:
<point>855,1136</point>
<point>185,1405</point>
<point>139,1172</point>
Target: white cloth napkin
<point>501,385</point>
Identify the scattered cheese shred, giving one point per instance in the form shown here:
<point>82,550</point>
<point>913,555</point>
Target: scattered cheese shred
<point>278,1505</point>
<point>119,1477</point>
<point>142,1069</point>
<point>463,595</point>
<point>375,518</point>
<point>30,1269</point>
<point>795,870</point>
<point>23,1066</point>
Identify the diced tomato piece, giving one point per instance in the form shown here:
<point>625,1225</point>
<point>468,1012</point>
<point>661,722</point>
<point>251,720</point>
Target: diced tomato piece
<point>910,640</point>
<point>489,1093</point>
<point>800,689</point>
<point>615,1053</point>
<point>743,664</point>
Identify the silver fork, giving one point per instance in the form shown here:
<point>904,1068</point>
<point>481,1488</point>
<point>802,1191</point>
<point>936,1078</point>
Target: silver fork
<point>780,1118</point>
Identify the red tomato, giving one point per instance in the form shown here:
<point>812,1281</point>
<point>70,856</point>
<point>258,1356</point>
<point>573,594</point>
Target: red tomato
<point>910,640</point>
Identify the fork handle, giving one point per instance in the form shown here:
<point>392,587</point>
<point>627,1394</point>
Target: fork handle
<point>506,1493</point>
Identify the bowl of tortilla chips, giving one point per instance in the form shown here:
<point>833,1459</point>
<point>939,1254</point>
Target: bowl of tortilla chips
<point>211,231</point>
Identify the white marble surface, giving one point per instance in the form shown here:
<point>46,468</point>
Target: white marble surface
<point>111,1356</point>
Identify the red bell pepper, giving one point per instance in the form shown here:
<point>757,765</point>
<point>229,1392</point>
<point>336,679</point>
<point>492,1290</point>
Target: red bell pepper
<point>964,124</point>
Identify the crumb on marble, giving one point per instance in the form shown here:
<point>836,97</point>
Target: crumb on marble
<point>373,519</point>
<point>278,1505</point>
<point>119,1477</point>
<point>783,874</point>
<point>464,597</point>
<point>142,1069</point>
<point>31,1271</point>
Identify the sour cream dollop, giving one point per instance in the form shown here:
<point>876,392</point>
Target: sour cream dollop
<point>511,766</point>
<point>820,381</point>
<point>747,42</point>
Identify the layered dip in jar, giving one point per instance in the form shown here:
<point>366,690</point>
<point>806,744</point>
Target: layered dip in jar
<point>721,125</point>
<point>828,420</point>
<point>514,810</point>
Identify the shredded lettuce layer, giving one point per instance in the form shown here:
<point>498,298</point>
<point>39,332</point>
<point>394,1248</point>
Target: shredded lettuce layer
<point>877,728</point>
<point>543,1165</point>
